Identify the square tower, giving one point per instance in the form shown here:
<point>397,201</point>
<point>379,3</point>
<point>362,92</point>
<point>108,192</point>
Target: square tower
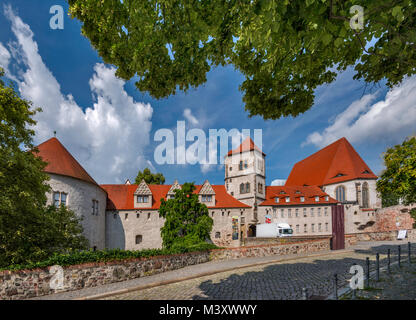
<point>245,173</point>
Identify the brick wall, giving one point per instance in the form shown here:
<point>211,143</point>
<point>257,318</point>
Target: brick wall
<point>32,283</point>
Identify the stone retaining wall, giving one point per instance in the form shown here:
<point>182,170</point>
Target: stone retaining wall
<point>32,283</point>
<point>352,239</point>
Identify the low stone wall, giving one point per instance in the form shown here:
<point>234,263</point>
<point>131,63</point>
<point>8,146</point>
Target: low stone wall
<point>33,283</point>
<point>352,239</point>
<point>254,241</point>
<point>26,284</point>
<point>294,247</point>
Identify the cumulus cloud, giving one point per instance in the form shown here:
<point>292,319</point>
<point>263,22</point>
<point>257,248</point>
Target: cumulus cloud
<point>4,57</point>
<point>278,182</point>
<point>187,113</point>
<point>108,138</point>
<point>388,120</point>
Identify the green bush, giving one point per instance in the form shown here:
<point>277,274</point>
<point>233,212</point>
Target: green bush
<point>108,255</point>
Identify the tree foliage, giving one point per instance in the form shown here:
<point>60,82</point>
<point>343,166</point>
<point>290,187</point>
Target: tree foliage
<point>187,222</point>
<point>398,180</point>
<point>149,177</point>
<point>29,230</point>
<point>285,49</point>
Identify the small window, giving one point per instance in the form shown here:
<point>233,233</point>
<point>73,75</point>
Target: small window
<point>319,212</point>
<point>56,198</point>
<point>217,235</point>
<point>326,226</point>
<point>222,213</point>
<point>63,199</point>
<point>245,164</point>
<point>302,199</point>
<point>297,228</point>
<point>115,216</point>
<point>276,200</point>
<point>139,239</point>
<point>126,216</point>
<point>240,167</point>
<point>305,228</point>
<point>326,212</point>
<point>313,227</point>
<point>282,213</point>
<point>228,213</point>
<point>137,215</point>
<point>326,198</point>
<point>297,213</point>
<point>289,213</point>
<point>304,212</point>
<point>287,199</point>
<point>148,216</point>
<point>319,227</point>
<point>312,212</point>
<point>317,199</point>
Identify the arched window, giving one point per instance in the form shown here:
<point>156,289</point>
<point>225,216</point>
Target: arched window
<point>340,193</point>
<point>242,188</point>
<point>365,195</point>
<point>247,187</point>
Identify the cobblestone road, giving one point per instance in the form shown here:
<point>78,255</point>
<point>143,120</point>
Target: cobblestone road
<point>283,280</point>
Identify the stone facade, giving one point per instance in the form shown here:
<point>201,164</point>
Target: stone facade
<point>79,198</point>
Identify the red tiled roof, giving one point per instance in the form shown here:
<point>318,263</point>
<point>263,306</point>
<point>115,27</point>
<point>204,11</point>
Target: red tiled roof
<point>61,162</point>
<point>335,163</point>
<point>247,145</point>
<point>295,193</point>
<point>121,197</point>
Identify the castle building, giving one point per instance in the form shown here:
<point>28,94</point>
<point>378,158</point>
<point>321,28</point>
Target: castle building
<point>126,215</point>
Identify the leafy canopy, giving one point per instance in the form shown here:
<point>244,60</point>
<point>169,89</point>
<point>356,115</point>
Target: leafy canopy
<point>149,177</point>
<point>285,49</point>
<point>399,178</point>
<point>29,230</point>
<point>187,222</point>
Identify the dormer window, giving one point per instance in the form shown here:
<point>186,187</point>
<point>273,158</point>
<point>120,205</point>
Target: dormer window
<point>142,199</point>
<point>326,198</point>
<point>282,192</point>
<point>287,199</point>
<point>206,198</point>
<point>302,199</point>
<point>366,172</point>
<point>276,200</point>
<point>317,199</point>
<point>339,175</point>
<point>297,192</point>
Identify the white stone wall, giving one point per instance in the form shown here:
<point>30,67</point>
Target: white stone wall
<point>80,195</point>
<point>122,227</point>
<point>322,217</point>
<point>351,192</point>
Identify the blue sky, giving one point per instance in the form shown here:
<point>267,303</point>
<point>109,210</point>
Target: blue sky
<point>109,126</point>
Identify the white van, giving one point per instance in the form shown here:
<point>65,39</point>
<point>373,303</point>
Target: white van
<point>273,230</point>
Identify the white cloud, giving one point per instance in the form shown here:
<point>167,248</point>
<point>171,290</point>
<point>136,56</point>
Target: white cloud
<point>108,138</point>
<point>4,57</point>
<point>388,120</point>
<point>278,182</point>
<point>187,113</point>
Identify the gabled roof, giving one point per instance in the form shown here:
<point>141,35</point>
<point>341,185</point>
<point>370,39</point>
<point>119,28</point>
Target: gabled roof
<point>206,189</point>
<point>61,162</point>
<point>175,186</point>
<point>295,193</point>
<point>143,189</point>
<point>246,145</point>
<point>121,197</point>
<point>333,164</point>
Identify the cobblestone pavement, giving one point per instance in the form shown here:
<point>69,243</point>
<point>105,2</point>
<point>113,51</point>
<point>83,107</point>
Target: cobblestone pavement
<point>282,280</point>
<point>400,284</point>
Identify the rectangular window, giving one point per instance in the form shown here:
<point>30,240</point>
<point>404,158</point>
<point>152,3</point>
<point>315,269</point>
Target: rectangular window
<point>304,212</point>
<point>305,228</point>
<point>316,199</point>
<point>297,228</point>
<point>287,199</point>
<point>302,199</point>
<point>326,226</point>
<point>63,199</point>
<point>312,213</point>
<point>56,198</point>
<point>319,212</point>
<point>326,212</point>
<point>320,227</point>
<point>297,213</point>
<point>139,239</point>
<point>282,213</point>
<point>313,227</point>
<point>289,213</point>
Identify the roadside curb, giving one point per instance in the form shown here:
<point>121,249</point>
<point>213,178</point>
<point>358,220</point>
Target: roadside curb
<point>162,283</point>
